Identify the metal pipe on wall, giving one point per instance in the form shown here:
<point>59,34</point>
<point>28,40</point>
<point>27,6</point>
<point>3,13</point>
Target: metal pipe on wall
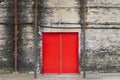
<point>83,36</point>
<point>16,34</point>
<point>36,38</point>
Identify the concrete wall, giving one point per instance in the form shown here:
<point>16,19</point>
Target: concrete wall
<point>102,33</point>
<point>58,11</point>
<point>102,30</point>
<point>103,43</point>
<point>6,35</point>
<point>26,36</point>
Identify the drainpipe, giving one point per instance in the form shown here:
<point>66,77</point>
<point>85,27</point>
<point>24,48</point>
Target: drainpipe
<point>83,35</point>
<point>15,35</point>
<point>36,39</point>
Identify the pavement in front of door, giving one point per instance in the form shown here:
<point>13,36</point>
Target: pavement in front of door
<point>105,76</point>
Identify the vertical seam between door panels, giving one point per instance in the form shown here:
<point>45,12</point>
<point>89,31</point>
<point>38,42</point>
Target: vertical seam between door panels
<point>60,53</point>
<point>78,70</point>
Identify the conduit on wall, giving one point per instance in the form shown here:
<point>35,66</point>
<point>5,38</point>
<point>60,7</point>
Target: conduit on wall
<point>15,35</point>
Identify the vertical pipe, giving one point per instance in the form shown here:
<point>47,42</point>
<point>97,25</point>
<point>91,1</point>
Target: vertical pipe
<point>16,34</point>
<point>36,37</point>
<point>83,35</point>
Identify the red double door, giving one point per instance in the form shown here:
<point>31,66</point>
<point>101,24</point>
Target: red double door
<point>60,53</point>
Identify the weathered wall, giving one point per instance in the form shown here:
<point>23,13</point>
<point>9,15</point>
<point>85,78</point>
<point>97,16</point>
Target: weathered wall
<point>103,41</point>
<point>102,33</point>
<point>103,50</point>
<point>58,11</point>
<point>59,15</point>
<point>6,35</point>
<point>26,36</point>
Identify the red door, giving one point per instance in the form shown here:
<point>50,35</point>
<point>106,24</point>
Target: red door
<point>60,53</point>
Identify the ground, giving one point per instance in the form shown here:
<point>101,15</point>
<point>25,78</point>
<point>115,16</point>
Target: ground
<point>101,76</point>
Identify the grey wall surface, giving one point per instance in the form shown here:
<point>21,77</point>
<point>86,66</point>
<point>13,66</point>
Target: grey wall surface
<point>6,35</point>
<point>26,36</point>
<point>102,33</point>
<point>103,43</point>
<point>58,11</point>
<point>102,30</point>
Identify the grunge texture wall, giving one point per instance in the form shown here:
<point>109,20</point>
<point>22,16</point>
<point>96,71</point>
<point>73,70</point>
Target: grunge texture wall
<point>102,41</point>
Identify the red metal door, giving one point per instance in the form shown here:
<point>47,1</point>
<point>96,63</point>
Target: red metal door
<point>60,53</point>
<point>51,53</point>
<point>69,52</point>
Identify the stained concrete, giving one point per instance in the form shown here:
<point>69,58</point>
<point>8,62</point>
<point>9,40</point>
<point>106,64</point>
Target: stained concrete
<point>103,15</point>
<point>102,41</point>
<point>107,76</point>
<point>6,34</point>
<point>105,3</point>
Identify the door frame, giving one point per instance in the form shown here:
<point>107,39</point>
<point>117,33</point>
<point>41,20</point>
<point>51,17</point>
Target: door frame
<point>79,52</point>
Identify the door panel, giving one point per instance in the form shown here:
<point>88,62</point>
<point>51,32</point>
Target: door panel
<point>51,53</point>
<point>69,53</point>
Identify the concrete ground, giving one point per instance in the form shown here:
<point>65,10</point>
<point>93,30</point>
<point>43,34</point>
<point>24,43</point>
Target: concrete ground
<point>105,76</point>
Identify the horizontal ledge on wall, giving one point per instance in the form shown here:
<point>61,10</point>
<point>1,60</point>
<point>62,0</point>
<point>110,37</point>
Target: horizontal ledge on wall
<point>106,23</point>
<point>6,23</point>
<point>22,7</point>
<point>103,6</point>
<point>18,23</point>
<point>80,27</point>
<point>26,23</point>
<point>87,23</point>
<point>90,23</point>
<point>60,27</point>
<point>80,23</point>
<point>81,7</point>
<point>102,27</point>
<point>7,7</point>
